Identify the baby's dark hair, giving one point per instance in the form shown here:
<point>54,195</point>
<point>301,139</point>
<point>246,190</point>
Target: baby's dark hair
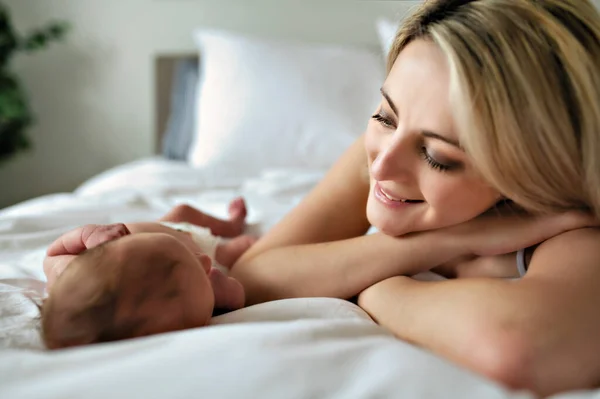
<point>82,306</point>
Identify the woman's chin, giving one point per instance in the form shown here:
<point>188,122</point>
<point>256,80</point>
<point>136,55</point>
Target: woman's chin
<point>391,232</point>
<point>386,225</point>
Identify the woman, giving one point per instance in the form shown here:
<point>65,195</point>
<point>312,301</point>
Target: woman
<point>484,144</point>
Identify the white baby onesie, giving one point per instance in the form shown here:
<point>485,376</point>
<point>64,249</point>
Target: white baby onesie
<point>201,236</point>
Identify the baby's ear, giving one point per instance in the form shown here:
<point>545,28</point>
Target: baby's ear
<point>205,261</point>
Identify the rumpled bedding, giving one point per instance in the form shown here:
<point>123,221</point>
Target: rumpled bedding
<point>296,348</point>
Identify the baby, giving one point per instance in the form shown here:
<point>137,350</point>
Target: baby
<point>119,281</point>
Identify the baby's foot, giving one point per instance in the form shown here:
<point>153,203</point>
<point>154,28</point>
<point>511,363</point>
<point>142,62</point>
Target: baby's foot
<point>228,253</point>
<point>237,216</point>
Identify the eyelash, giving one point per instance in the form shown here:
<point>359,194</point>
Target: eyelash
<point>385,122</point>
<point>435,165</point>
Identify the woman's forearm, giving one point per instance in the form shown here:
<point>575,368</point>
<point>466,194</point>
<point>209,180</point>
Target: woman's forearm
<point>539,332</point>
<point>339,269</point>
<point>481,324</point>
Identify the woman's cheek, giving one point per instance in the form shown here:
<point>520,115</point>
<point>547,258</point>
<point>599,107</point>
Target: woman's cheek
<point>370,144</point>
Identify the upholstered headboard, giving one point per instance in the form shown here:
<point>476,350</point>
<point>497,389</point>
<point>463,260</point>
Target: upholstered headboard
<point>164,69</point>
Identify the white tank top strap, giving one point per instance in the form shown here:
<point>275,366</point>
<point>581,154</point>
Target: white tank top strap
<point>521,264</point>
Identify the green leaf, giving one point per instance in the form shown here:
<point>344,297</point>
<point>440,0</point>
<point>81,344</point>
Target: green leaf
<point>41,38</point>
<point>15,114</point>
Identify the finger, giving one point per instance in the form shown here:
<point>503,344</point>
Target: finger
<point>103,233</point>
<point>237,295</point>
<point>229,293</point>
<point>70,243</point>
<point>575,220</point>
<point>78,240</point>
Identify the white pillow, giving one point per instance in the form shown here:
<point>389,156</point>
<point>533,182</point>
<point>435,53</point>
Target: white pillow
<point>270,104</point>
<point>386,31</point>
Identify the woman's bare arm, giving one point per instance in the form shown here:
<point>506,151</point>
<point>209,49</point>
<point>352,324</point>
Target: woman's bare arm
<point>333,210</point>
<point>319,249</point>
<point>539,333</point>
<point>339,269</point>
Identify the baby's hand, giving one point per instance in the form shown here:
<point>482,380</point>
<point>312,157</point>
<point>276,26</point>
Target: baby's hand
<point>229,252</point>
<point>229,293</point>
<point>91,235</point>
<point>64,249</point>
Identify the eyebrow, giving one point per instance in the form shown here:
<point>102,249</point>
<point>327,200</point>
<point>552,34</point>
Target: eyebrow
<point>432,135</point>
<point>389,100</point>
<point>425,133</point>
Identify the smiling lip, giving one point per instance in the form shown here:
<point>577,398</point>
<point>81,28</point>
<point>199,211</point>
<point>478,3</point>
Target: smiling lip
<point>390,200</point>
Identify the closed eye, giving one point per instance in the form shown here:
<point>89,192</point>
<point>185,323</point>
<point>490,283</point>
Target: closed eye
<point>436,165</point>
<point>383,120</point>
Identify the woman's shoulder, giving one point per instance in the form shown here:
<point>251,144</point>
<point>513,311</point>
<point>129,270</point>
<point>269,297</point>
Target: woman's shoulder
<point>577,238</point>
<point>578,248</point>
<point>334,210</point>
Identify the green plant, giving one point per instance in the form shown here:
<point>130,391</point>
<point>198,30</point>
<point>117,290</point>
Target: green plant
<point>15,114</point>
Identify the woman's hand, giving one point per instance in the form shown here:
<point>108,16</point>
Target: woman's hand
<point>503,231</point>
<point>488,244</point>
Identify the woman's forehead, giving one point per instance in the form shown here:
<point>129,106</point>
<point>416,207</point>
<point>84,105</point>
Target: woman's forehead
<point>419,86</point>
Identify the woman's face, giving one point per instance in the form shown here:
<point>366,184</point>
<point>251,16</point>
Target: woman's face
<point>421,179</point>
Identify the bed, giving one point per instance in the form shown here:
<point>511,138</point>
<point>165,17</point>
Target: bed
<point>297,348</point>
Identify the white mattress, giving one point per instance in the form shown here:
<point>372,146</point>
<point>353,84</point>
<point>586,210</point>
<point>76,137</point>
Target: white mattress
<point>301,348</point>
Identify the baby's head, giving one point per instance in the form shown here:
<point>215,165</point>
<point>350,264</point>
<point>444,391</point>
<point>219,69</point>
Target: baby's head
<point>134,286</point>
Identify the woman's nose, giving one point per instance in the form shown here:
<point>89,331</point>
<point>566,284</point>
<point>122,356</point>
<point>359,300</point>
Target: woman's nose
<point>394,159</point>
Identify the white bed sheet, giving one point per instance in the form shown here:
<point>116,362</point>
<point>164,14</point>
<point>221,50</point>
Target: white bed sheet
<point>301,348</point>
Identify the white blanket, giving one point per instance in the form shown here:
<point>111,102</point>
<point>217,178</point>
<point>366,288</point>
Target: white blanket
<point>301,348</point>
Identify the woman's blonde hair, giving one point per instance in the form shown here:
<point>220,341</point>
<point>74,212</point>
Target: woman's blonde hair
<point>525,87</point>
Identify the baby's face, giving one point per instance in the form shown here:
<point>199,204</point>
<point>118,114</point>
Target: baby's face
<point>155,282</point>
